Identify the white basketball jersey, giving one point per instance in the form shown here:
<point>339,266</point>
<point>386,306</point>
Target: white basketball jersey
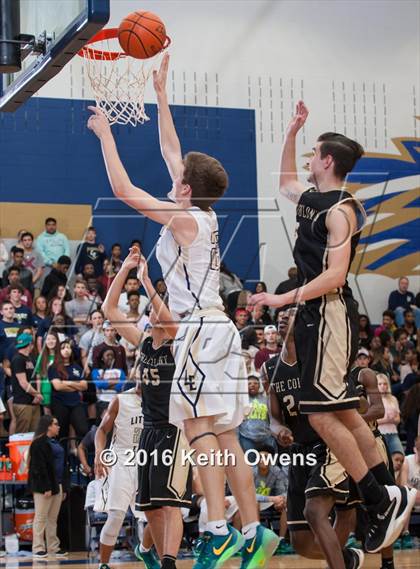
<point>192,274</point>
<point>128,423</point>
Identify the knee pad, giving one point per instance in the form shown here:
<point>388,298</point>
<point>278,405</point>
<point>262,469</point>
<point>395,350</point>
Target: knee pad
<point>112,527</point>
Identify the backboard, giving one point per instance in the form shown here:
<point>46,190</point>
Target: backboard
<point>60,28</point>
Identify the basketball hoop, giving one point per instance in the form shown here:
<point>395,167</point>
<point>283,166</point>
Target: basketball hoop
<point>118,81</point>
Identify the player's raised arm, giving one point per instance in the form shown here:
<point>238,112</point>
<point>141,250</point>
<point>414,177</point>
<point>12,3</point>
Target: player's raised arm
<point>126,329</point>
<point>169,141</point>
<point>182,223</point>
<point>289,184</point>
<point>161,310</point>
<point>341,224</point>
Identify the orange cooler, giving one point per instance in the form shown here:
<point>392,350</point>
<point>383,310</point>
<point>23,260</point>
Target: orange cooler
<point>19,453</point>
<point>24,520</point>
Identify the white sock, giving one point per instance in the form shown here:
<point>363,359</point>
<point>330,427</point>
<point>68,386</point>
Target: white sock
<point>143,549</point>
<point>250,530</point>
<point>219,527</point>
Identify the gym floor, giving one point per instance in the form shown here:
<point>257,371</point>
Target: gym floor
<point>403,560</point>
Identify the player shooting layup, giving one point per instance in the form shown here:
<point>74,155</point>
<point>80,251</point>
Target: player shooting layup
<point>329,224</point>
<point>210,394</point>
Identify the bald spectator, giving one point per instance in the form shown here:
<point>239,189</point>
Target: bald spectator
<point>402,299</point>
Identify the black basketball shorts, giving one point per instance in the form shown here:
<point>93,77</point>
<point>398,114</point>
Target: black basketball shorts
<point>326,478</point>
<point>165,476</point>
<point>326,337</point>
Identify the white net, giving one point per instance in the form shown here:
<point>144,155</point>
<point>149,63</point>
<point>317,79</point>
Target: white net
<point>118,81</point>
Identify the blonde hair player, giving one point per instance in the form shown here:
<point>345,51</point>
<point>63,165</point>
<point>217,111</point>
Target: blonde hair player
<point>209,397</point>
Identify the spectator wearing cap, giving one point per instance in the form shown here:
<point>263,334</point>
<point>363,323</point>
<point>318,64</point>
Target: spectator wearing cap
<point>402,299</point>
<point>14,279</point>
<point>254,430</point>
<point>57,276</point>
<point>271,347</point>
<point>26,398</point>
<point>110,341</point>
<point>90,251</point>
<point>51,244</point>
<point>363,358</point>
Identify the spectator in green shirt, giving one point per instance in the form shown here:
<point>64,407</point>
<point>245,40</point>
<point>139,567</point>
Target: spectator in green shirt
<point>50,353</point>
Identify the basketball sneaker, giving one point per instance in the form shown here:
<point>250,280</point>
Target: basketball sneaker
<point>353,558</point>
<point>258,550</point>
<point>388,518</point>
<point>149,558</point>
<point>214,550</point>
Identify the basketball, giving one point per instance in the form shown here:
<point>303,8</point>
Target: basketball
<point>142,34</point>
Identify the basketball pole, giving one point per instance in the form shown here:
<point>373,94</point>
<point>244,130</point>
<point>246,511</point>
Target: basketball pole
<point>10,60</point>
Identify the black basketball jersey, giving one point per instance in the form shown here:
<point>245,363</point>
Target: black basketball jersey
<point>354,376</point>
<point>311,251</point>
<point>285,382</point>
<point>157,368</point>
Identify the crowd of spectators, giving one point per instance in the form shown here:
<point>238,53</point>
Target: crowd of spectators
<point>59,356</point>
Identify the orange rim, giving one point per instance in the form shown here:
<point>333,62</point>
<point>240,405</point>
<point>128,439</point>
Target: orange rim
<point>104,55</point>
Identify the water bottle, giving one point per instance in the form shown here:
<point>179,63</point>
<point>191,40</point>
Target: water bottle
<point>11,543</point>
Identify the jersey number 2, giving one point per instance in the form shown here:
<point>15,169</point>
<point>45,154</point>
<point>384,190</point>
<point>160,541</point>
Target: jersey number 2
<point>289,401</point>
